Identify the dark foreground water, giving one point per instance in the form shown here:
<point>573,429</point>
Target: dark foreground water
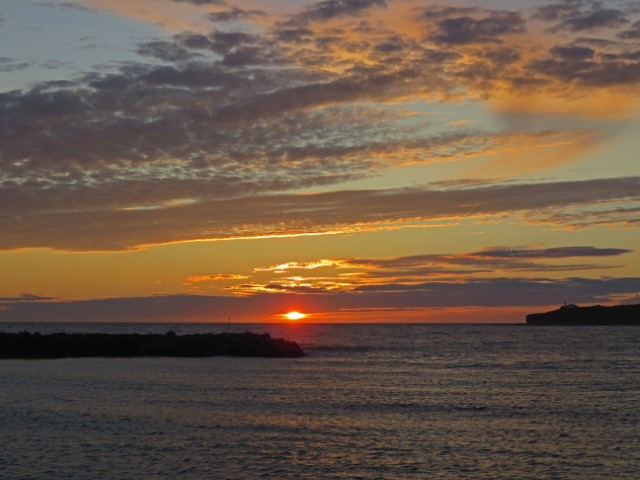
<point>369,402</point>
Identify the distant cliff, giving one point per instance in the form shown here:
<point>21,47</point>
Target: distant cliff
<point>595,315</point>
<point>61,345</point>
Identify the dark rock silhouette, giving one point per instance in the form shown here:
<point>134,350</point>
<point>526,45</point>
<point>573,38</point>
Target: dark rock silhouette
<point>594,315</point>
<point>61,345</point>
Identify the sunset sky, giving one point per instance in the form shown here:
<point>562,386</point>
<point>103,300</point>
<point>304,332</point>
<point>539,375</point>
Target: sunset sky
<point>354,160</point>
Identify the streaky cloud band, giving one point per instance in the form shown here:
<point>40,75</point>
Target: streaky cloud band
<point>334,211</point>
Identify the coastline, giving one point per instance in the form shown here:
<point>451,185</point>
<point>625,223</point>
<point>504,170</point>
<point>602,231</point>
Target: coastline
<point>592,315</point>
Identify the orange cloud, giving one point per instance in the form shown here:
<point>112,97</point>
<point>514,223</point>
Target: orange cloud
<point>283,267</point>
<point>596,104</point>
<point>411,272</point>
<point>127,158</point>
<point>215,278</point>
<point>526,153</point>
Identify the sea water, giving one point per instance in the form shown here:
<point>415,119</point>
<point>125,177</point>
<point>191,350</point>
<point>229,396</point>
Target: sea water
<point>368,402</point>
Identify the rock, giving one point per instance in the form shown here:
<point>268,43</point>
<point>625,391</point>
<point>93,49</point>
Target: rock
<point>61,345</point>
<point>595,315</point>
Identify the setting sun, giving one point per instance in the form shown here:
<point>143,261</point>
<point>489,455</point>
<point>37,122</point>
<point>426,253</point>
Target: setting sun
<point>294,315</point>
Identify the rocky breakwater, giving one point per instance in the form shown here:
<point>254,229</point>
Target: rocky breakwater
<point>62,345</point>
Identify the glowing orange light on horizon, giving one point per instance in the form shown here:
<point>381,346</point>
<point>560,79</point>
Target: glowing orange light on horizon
<point>294,315</point>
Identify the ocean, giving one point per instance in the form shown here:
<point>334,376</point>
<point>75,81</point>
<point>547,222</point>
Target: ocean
<point>370,401</point>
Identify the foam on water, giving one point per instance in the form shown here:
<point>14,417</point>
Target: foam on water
<point>370,401</point>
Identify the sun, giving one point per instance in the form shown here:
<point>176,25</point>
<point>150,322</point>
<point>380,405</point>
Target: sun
<point>294,315</point>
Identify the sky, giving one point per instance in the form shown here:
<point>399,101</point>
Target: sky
<point>354,160</point>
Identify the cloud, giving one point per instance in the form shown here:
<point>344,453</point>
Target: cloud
<point>216,135</point>
<point>64,6</point>
<point>491,259</point>
<point>283,267</point>
<point>541,288</point>
<point>330,9</point>
<point>30,223</point>
<point>494,292</point>
<point>11,65</point>
<point>616,216</point>
<point>503,291</point>
<point>235,14</point>
<point>557,252</point>
<point>316,39</point>
<point>152,137</point>
<point>632,33</point>
<point>580,65</point>
<point>572,52</point>
<point>352,274</point>
<point>576,15</point>
<point>352,284</point>
<point>461,26</point>
<point>215,278</point>
<point>26,297</point>
<point>236,117</point>
<point>167,51</point>
<point>203,2</point>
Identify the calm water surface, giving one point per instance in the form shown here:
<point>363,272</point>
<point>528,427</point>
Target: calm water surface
<point>369,402</point>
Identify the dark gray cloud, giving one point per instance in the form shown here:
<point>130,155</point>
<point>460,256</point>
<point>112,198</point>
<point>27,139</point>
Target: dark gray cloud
<point>629,56</point>
<point>236,114</point>
<point>218,3</point>
<point>558,10</point>
<point>259,116</point>
<point>487,27</point>
<point>237,49</point>
<point>390,45</point>
<point>600,18</point>
<point>178,307</point>
<point>330,9</point>
<point>557,252</point>
<point>93,224</point>
<point>235,14</point>
<point>11,65</point>
<point>25,297</point>
<point>632,33</point>
<point>294,34</point>
<point>324,275</point>
<point>150,136</point>
<point>167,51</point>
<point>494,292</point>
<point>172,138</point>
<point>505,291</point>
<point>64,6</point>
<point>419,267</point>
<point>573,52</point>
<point>448,267</point>
<point>581,15</point>
<point>585,66</point>
<point>218,41</point>
<point>601,44</point>
<point>502,56</point>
